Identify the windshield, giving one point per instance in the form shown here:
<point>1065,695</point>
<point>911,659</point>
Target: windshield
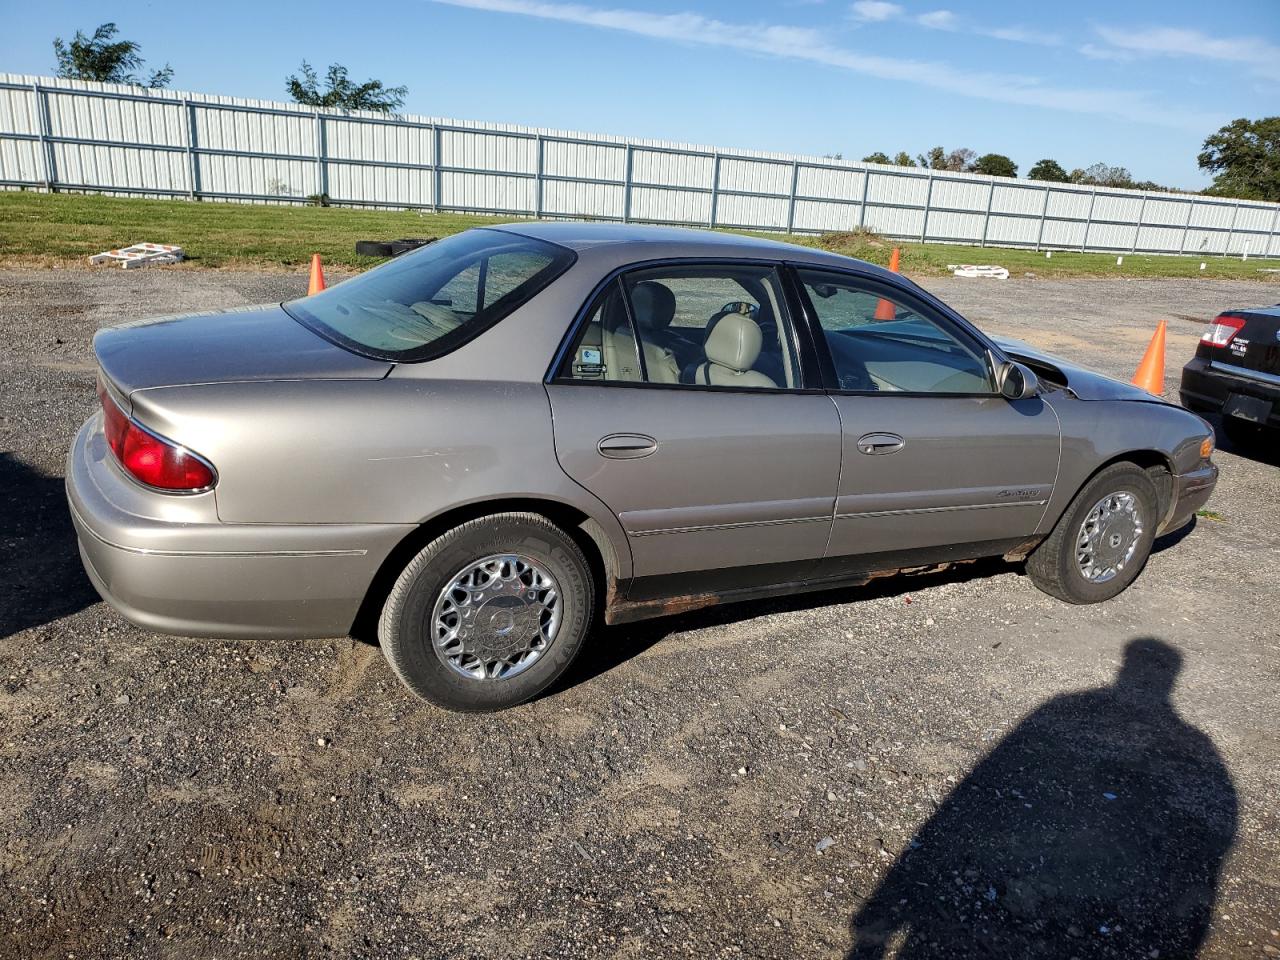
<point>426,303</point>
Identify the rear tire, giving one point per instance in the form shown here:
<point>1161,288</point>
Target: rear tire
<point>1101,542</point>
<point>489,614</point>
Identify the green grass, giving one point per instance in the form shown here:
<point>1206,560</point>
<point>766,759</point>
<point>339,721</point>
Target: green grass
<point>40,229</point>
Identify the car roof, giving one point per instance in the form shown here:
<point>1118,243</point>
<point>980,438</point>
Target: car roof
<point>643,242</point>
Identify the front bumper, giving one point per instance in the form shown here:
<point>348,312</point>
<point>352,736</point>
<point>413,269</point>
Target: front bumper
<point>1205,388</point>
<point>1191,491</point>
<point>167,564</point>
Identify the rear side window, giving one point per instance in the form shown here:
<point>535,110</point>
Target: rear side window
<point>426,303</point>
<point>717,325</point>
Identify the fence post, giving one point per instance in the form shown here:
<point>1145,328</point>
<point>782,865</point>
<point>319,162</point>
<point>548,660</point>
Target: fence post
<point>436,161</point>
<point>986,221</point>
<point>1137,230</point>
<point>1088,221</point>
<point>715,190</point>
<point>791,204</point>
<point>193,171</point>
<point>537,181</point>
<point>1044,210</point>
<point>40,104</point>
<point>321,187</point>
<point>862,209</point>
<point>928,199</point>
<point>626,186</point>
<point>1182,244</point>
<point>1231,230</point>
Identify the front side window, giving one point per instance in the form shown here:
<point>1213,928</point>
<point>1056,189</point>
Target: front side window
<point>428,302</point>
<point>703,325</point>
<point>880,342</point>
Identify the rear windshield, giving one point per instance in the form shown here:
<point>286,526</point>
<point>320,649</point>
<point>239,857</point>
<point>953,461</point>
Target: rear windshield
<point>425,303</point>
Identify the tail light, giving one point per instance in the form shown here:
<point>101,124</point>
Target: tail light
<point>149,457</point>
<point>1222,331</point>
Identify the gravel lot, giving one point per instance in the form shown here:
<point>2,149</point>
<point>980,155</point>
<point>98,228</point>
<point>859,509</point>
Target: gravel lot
<point>959,757</point>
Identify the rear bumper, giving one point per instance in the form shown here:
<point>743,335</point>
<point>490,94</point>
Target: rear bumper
<point>1205,388</point>
<point>1191,491</point>
<point>204,578</point>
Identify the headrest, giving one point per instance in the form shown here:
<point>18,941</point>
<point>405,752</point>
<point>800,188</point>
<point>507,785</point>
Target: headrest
<point>734,342</point>
<point>654,303</point>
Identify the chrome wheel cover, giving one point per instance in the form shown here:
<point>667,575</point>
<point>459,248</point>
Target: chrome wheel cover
<point>1109,536</point>
<point>495,617</point>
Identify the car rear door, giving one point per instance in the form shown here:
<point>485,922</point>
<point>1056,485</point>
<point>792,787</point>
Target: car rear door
<point>718,487</point>
<point>937,465</point>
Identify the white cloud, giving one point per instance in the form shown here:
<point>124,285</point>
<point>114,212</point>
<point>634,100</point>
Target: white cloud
<point>812,45</point>
<point>875,11</point>
<point>939,20</point>
<point>1095,52</point>
<point>1023,35</point>
<point>1261,57</point>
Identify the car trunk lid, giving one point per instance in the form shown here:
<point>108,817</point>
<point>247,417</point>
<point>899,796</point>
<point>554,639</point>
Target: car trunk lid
<point>1254,349</point>
<point>249,343</point>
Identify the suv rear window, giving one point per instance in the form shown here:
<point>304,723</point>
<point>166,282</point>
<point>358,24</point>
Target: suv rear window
<point>426,303</point>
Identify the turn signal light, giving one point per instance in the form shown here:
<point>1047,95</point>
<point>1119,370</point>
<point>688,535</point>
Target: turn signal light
<point>1206,448</point>
<point>148,457</point>
<point>1222,331</point>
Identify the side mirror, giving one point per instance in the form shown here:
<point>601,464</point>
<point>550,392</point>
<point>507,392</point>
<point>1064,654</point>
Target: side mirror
<point>1017,382</point>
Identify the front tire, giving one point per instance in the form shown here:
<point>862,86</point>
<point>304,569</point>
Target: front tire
<point>1102,541</point>
<point>489,614</point>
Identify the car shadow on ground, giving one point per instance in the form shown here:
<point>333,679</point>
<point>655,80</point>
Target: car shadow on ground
<point>1261,446</point>
<point>613,646</point>
<point>1098,827</point>
<point>41,578</point>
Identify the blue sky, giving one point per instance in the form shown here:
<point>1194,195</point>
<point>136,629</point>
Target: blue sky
<point>1138,84</point>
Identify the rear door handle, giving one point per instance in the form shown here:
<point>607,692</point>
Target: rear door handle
<point>627,446</point>
<point>874,443</point>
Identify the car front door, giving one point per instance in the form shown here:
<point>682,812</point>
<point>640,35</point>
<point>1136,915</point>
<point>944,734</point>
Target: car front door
<point>681,403</point>
<point>937,465</point>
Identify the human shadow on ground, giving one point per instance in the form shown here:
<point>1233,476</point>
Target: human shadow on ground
<point>41,578</point>
<point>1097,828</point>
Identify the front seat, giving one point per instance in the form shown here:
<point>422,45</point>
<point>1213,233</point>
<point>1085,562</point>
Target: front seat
<point>732,348</point>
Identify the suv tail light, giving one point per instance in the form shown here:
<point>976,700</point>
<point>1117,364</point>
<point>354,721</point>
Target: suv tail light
<point>148,457</point>
<point>1222,331</point>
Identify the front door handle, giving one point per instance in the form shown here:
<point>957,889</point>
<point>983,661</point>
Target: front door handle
<point>627,446</point>
<point>874,443</point>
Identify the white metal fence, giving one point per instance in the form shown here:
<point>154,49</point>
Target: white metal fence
<point>71,135</point>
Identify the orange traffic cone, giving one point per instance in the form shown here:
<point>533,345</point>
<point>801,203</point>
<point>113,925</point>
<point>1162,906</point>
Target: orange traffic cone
<point>1150,375</point>
<point>884,309</point>
<point>317,276</point>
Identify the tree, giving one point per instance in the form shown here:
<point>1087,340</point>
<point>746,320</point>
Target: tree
<point>995,165</point>
<point>104,60</point>
<point>1050,170</point>
<point>935,159</point>
<point>955,161</point>
<point>1245,155</point>
<point>1102,175</point>
<point>877,157</point>
<point>341,92</point>
<point>903,159</point>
